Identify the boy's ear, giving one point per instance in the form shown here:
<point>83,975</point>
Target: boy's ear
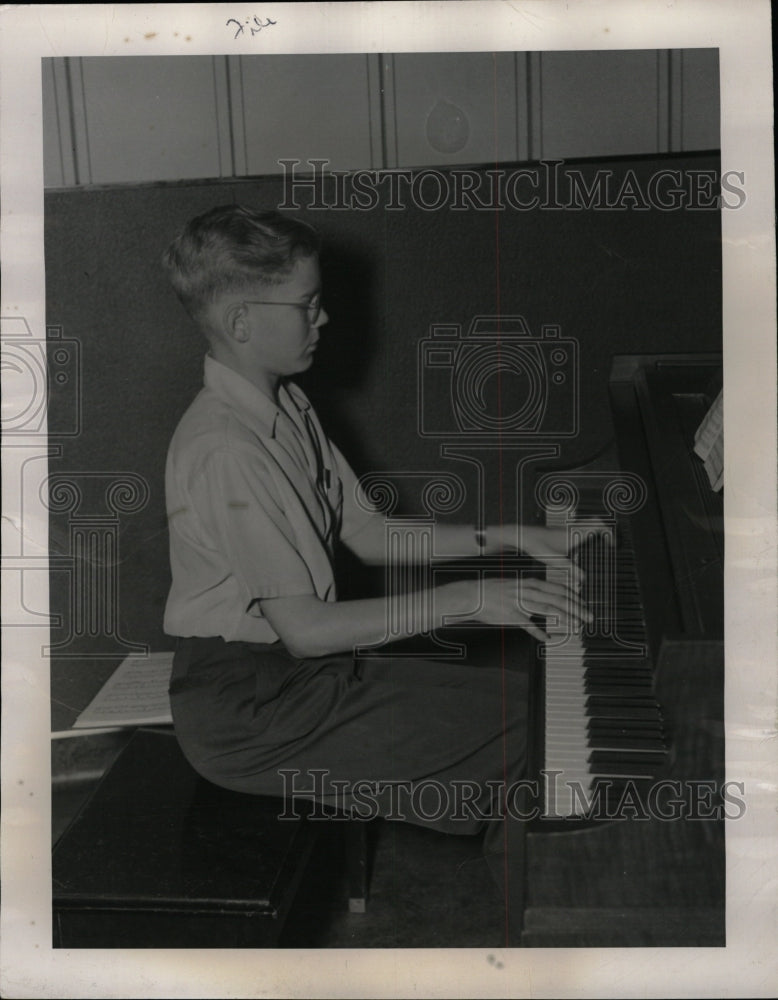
<point>235,322</point>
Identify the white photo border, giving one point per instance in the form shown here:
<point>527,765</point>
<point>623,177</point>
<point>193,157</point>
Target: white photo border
<point>747,966</point>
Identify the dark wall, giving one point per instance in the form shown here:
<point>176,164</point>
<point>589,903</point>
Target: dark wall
<point>628,280</point>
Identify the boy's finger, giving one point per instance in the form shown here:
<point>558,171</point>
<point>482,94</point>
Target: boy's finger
<point>570,607</point>
<point>560,591</point>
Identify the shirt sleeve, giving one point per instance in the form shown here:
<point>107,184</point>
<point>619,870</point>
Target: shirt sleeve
<point>357,509</point>
<point>234,498</point>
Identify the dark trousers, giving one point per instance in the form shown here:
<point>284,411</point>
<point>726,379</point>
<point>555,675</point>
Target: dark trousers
<point>434,742</point>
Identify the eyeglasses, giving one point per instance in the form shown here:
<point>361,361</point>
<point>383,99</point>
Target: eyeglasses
<point>313,308</point>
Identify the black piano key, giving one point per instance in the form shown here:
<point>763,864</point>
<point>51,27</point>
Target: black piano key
<point>652,735</point>
<point>614,664</point>
<point>639,699</point>
<point>593,658</point>
<point>615,690</point>
<point>638,693</point>
<point>615,668</point>
<point>606,647</point>
<point>626,744</point>
<point>615,685</point>
<point>611,728</point>
<point>640,728</point>
<point>607,756</point>
<point>617,711</point>
<point>616,672</point>
<point>626,727</point>
<point>625,678</point>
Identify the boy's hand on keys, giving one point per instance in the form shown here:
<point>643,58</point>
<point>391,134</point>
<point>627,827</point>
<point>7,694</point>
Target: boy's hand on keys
<point>522,602</point>
<point>552,545</point>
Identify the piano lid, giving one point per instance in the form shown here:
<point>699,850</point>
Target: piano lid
<point>658,403</point>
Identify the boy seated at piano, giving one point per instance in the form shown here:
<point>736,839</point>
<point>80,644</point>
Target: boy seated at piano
<point>265,679</point>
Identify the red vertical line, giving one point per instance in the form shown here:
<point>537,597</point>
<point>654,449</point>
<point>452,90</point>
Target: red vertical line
<point>669,101</point>
<point>380,124</point>
<point>216,113</point>
<point>244,130</point>
<point>528,84</point>
<point>87,145</point>
<point>680,129</point>
<point>500,517</point>
<point>72,120</point>
<point>658,92</point>
<point>49,63</point>
<point>382,109</point>
<point>230,123</point>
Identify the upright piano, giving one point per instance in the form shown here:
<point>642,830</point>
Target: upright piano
<point>630,851</point>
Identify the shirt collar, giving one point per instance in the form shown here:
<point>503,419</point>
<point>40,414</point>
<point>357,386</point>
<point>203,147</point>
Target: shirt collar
<point>235,390</point>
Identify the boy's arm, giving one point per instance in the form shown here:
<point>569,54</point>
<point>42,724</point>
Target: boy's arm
<point>461,541</point>
<point>310,627</point>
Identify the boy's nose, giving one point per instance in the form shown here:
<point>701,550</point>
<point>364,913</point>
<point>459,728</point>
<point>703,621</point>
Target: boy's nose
<point>322,318</point>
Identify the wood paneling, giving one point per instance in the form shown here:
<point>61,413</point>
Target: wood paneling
<point>134,119</point>
<point>306,107</point>
<point>58,166</point>
<point>152,118</point>
<point>453,107</point>
<point>700,117</point>
<point>598,103</point>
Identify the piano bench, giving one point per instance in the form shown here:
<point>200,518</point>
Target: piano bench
<point>160,858</point>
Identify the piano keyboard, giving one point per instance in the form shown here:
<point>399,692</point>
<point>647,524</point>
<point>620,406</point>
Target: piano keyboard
<point>603,726</point>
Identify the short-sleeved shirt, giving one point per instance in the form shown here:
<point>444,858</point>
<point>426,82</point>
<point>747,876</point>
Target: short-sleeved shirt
<point>257,497</point>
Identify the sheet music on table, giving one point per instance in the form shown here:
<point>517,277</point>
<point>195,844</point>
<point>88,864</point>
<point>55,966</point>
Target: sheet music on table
<point>709,442</point>
<point>136,694</point>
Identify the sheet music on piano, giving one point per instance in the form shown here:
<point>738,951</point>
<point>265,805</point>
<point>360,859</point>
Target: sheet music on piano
<point>709,442</point>
<point>134,695</point>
